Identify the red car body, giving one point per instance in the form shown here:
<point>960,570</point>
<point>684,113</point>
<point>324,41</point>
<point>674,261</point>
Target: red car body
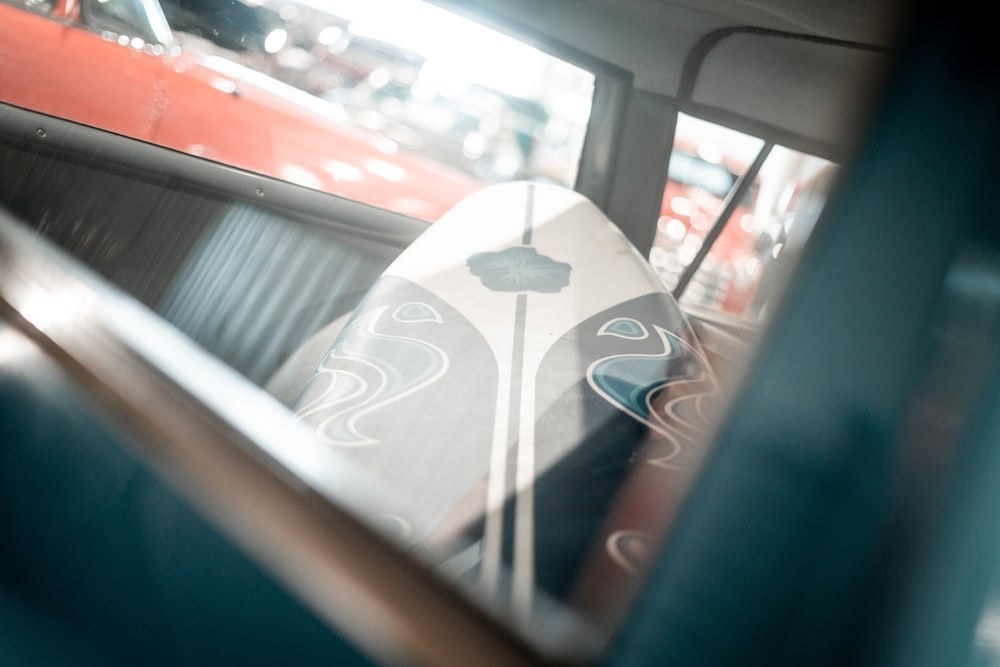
<point>57,59</point>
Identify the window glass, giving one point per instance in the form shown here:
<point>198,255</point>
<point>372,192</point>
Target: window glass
<point>40,6</point>
<point>740,273</point>
<point>129,18</point>
<point>394,103</point>
<point>444,87</point>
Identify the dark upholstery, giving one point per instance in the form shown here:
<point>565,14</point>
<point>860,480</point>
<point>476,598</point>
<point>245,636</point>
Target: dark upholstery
<point>101,561</point>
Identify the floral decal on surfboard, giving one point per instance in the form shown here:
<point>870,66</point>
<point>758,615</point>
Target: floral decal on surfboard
<point>519,269</point>
<point>370,370</point>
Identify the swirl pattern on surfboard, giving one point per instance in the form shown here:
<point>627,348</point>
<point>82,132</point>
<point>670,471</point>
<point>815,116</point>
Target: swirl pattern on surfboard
<point>667,390</point>
<point>370,369</point>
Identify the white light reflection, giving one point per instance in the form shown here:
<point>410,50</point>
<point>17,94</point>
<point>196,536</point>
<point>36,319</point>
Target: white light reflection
<point>686,254</point>
<point>46,309</point>
<point>474,146</point>
<point>341,171</point>
<point>710,152</point>
<point>573,106</point>
<point>681,206</point>
<point>693,240</point>
<point>224,85</point>
<point>387,146</point>
<point>988,633</point>
<point>329,35</point>
<point>457,51</point>
<point>383,169</point>
<point>15,348</point>
<point>300,176</point>
<point>673,228</point>
<point>275,40</point>
<point>658,256</point>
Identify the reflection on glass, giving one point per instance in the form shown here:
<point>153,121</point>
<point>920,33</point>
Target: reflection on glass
<point>441,86</point>
<point>986,647</point>
<point>740,274</point>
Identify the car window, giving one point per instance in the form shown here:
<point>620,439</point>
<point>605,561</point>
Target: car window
<point>394,103</point>
<point>740,273</point>
<point>126,18</point>
<point>335,101</point>
<point>443,86</point>
<point>39,6</point>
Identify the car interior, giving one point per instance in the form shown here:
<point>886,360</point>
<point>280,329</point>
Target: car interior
<point>160,313</point>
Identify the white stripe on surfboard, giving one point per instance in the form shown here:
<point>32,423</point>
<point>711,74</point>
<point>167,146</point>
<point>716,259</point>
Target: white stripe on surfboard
<point>514,416</point>
<point>522,588</point>
<point>495,490</point>
<point>524,516</point>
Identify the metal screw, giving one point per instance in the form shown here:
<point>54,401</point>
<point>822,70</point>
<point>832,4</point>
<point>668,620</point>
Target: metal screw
<point>40,132</point>
<point>260,192</point>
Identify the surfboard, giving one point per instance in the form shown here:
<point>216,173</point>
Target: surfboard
<point>506,375</point>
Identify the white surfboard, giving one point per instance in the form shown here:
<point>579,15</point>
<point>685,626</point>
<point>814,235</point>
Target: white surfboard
<point>502,376</point>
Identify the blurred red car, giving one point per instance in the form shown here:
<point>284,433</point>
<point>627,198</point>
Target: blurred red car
<point>692,200</point>
<point>115,65</point>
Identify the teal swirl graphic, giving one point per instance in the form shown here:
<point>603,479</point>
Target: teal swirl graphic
<point>665,390</point>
